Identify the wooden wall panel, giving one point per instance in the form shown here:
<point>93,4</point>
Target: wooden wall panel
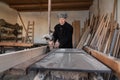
<point>76,33</point>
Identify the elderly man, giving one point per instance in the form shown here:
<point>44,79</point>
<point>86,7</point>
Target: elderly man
<point>62,36</point>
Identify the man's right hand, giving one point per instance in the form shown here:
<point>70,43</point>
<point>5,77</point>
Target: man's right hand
<point>57,44</point>
<point>51,44</point>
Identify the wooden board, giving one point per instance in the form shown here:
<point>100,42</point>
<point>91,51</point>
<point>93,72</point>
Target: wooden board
<point>12,59</point>
<point>83,38</point>
<point>12,44</point>
<point>109,61</point>
<point>76,33</point>
<point>21,69</point>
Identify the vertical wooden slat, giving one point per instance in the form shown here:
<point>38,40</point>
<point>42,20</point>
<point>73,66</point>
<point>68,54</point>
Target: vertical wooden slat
<point>73,36</point>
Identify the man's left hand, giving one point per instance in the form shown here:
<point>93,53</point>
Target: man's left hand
<point>57,44</point>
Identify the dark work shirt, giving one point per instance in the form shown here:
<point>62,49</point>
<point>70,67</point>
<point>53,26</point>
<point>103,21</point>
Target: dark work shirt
<point>63,33</point>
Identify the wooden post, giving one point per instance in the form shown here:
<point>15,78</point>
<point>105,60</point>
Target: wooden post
<point>49,15</point>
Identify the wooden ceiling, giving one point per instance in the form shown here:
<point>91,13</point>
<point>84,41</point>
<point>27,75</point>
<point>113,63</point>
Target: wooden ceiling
<point>42,5</point>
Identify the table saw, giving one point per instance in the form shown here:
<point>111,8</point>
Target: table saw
<point>65,64</point>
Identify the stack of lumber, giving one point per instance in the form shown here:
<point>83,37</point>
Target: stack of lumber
<point>102,34</point>
<point>10,32</point>
<point>85,32</point>
<point>78,31</point>
<point>102,40</point>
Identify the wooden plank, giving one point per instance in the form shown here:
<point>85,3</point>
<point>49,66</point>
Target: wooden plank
<point>22,22</point>
<point>83,38</point>
<point>73,36</point>
<point>113,42</point>
<point>102,36</point>
<point>93,30</point>
<point>109,61</point>
<point>21,69</point>
<point>109,40</point>
<point>12,59</point>
<point>98,31</point>
<point>117,45</point>
<point>12,44</point>
<point>76,33</point>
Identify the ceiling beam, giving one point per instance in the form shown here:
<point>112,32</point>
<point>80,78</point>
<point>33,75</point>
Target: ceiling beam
<point>54,9</point>
<point>11,2</point>
<point>42,5</point>
<point>68,4</point>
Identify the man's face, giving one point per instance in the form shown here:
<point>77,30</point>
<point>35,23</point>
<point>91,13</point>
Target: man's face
<point>62,21</point>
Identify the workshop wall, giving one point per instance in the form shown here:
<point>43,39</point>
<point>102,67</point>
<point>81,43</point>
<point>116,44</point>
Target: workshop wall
<point>105,6</point>
<point>41,25</point>
<point>7,13</point>
<point>118,11</point>
<point>40,18</point>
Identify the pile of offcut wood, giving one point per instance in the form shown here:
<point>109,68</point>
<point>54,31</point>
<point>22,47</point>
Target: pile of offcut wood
<point>10,32</point>
<point>102,34</point>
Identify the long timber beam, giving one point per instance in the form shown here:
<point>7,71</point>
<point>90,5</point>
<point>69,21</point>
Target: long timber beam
<point>14,44</point>
<point>109,61</point>
<point>12,59</point>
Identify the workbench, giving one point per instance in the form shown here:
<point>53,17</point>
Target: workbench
<point>75,60</point>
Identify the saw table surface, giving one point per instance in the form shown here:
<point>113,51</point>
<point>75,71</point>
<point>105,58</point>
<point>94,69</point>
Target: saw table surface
<point>70,60</point>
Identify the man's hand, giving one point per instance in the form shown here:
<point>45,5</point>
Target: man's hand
<point>51,44</point>
<point>57,44</point>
